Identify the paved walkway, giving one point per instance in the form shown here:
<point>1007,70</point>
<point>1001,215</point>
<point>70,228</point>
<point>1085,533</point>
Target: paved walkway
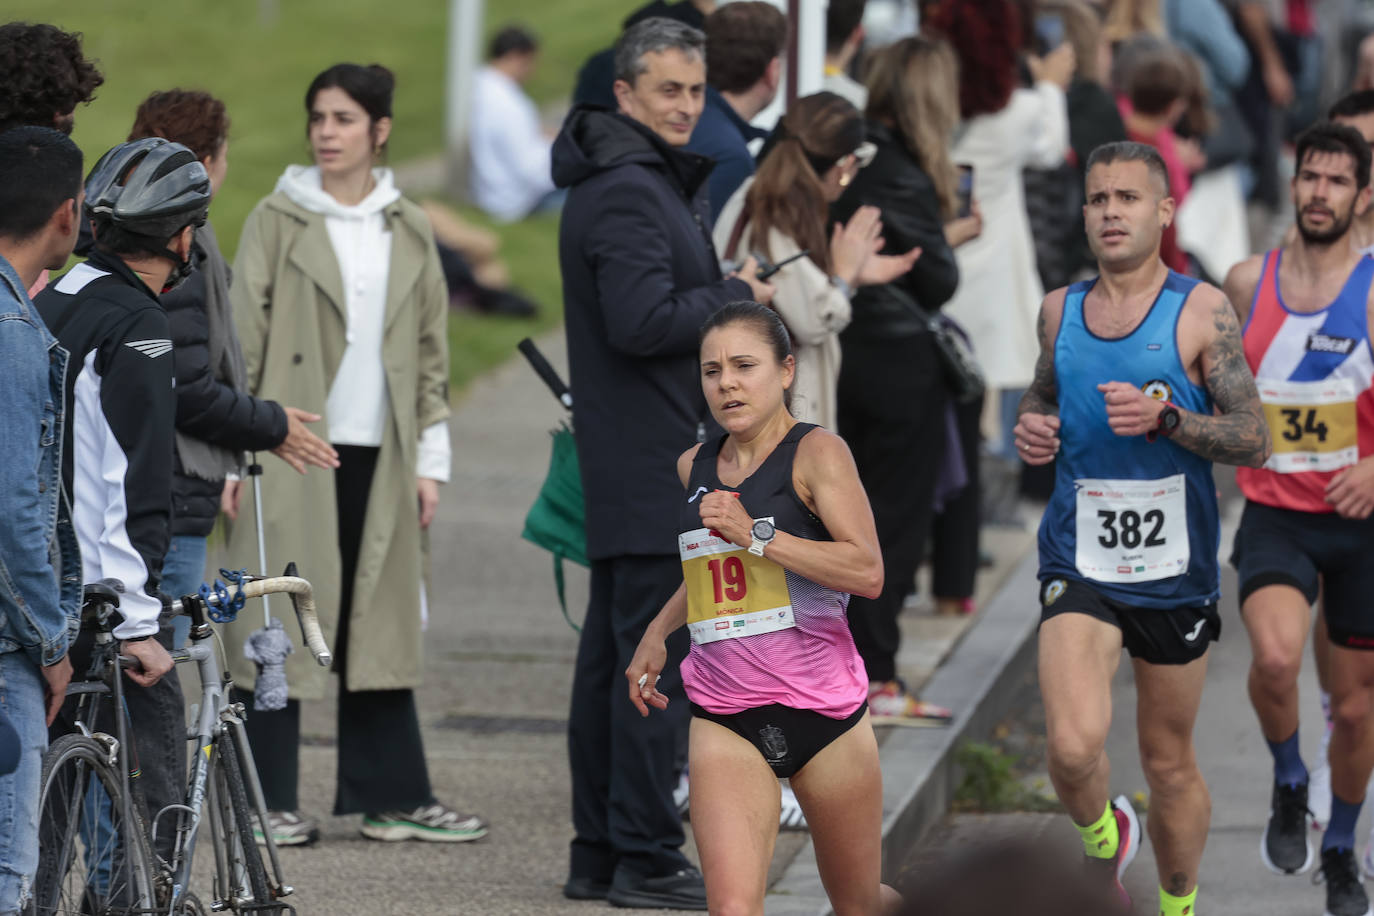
<point>494,705</point>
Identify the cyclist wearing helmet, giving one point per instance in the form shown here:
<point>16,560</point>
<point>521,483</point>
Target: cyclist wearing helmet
<point>143,201</point>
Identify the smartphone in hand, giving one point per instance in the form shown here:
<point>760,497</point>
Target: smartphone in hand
<point>1049,32</point>
<point>767,270</point>
<point>964,191</point>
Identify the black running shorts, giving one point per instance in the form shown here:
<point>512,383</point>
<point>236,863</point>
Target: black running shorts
<point>1160,636</point>
<point>786,737</point>
<point>1310,551</point>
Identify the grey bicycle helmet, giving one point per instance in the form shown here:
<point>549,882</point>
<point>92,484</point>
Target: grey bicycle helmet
<point>152,189</point>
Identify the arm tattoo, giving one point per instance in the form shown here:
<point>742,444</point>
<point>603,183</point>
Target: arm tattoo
<point>1043,394</point>
<point>1239,435</point>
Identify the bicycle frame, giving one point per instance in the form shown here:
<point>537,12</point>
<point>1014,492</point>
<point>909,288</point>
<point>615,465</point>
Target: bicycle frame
<point>215,719</point>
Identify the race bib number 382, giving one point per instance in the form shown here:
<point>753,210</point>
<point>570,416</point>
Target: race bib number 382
<point>730,592</point>
<point>1132,530</point>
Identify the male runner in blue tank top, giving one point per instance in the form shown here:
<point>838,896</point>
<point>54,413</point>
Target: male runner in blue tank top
<point>1141,384</point>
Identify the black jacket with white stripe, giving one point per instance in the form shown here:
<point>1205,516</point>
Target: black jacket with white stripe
<point>121,412</point>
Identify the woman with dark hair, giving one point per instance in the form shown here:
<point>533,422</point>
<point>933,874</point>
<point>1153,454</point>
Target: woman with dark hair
<point>340,301</point>
<point>1005,129</point>
<point>781,212</point>
<point>777,537</point>
<point>216,419</point>
<point>898,438</point>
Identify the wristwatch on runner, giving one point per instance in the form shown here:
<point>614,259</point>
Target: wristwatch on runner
<point>1168,422</point>
<point>763,533</point>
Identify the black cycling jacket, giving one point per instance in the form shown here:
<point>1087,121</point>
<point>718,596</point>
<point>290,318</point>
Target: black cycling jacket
<point>117,448</point>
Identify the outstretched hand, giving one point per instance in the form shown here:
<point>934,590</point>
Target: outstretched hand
<point>884,268</point>
<point>302,447</point>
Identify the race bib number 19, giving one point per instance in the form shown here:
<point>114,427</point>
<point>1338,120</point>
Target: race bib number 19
<point>730,592</point>
<point>1132,530</point>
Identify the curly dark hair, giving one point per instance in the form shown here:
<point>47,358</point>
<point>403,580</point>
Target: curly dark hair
<point>986,35</point>
<point>196,120</point>
<point>43,75</point>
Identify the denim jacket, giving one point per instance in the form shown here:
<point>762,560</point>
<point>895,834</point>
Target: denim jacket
<point>40,563</point>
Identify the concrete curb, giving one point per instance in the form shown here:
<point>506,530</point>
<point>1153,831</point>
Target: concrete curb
<point>977,681</point>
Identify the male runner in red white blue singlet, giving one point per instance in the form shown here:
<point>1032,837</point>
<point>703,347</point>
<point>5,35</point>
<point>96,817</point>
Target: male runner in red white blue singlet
<point>1306,311</point>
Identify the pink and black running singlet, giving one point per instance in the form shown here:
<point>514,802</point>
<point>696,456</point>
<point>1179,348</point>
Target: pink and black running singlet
<point>762,634</point>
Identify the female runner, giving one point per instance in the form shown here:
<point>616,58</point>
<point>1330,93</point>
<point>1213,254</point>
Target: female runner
<point>776,531</point>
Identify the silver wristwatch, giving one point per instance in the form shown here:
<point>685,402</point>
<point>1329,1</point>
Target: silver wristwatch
<point>763,533</point>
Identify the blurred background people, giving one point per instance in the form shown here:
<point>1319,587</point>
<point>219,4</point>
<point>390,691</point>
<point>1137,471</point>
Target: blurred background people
<point>744,45</point>
<point>1054,196</point>
<point>1157,84</point>
<point>891,393</point>
<point>1213,227</point>
<point>1005,128</point>
<point>353,326</point>
<point>216,419</point>
<point>509,148</point>
<point>815,153</point>
<point>596,77</point>
<point>844,37</point>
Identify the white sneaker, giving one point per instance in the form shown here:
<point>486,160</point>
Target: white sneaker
<point>682,793</point>
<point>791,817</point>
<point>1319,796</point>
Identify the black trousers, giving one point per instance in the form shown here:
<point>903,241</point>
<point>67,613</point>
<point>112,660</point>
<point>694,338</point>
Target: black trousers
<point>892,414</point>
<point>954,563</point>
<point>381,753</point>
<point>623,766</point>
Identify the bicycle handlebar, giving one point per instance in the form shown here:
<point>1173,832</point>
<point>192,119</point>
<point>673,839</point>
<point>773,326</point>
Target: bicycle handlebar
<point>304,598</point>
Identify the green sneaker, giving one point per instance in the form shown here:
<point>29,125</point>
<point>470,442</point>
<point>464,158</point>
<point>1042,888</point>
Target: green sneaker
<point>434,823</point>
<point>288,828</point>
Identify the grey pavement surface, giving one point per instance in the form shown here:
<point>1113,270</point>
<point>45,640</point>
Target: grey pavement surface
<point>1235,763</point>
<point>494,704</point>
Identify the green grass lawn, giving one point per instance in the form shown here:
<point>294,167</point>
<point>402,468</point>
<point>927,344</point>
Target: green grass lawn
<point>260,55</point>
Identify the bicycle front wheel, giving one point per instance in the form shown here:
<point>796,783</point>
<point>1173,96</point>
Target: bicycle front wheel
<point>245,885</point>
<point>93,849</point>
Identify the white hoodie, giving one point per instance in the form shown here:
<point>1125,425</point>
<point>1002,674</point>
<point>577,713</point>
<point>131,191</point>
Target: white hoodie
<point>356,409</point>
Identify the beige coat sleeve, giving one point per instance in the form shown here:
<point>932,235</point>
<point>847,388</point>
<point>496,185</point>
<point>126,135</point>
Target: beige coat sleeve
<point>250,292</point>
<point>811,306</point>
<point>432,354</point>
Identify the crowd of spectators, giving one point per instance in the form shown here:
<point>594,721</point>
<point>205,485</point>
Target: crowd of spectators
<point>930,192</point>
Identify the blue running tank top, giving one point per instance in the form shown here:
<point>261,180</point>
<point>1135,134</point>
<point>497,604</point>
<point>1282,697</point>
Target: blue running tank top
<point>1136,520</point>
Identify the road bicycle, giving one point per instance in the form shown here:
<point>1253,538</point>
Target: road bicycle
<point>97,855</point>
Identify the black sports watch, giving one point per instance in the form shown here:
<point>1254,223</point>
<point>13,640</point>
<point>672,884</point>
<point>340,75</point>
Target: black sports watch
<point>763,533</point>
<point>1168,421</point>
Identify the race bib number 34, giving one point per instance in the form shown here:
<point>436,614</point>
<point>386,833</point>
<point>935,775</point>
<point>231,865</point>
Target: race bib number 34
<point>1132,530</point>
<point>1313,424</point>
<point>730,592</point>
